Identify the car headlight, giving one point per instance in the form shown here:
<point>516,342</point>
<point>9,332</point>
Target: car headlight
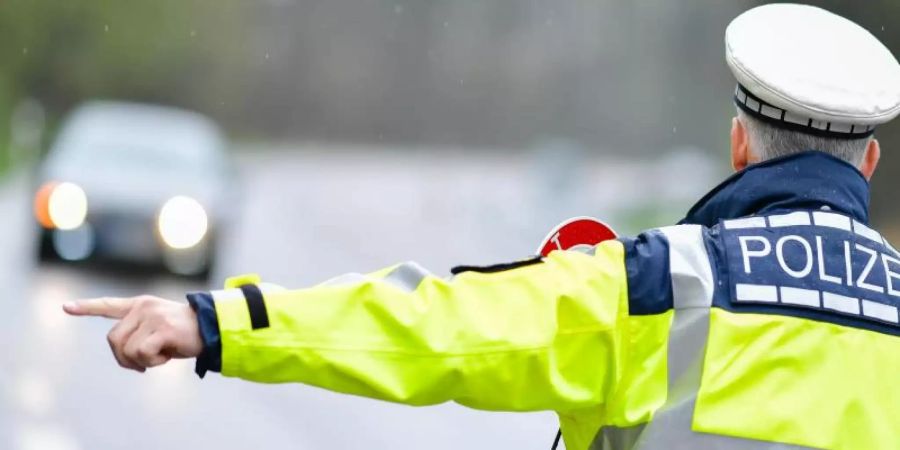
<point>61,205</point>
<point>182,222</point>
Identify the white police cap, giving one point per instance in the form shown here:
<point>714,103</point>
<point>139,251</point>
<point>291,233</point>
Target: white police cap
<point>804,68</point>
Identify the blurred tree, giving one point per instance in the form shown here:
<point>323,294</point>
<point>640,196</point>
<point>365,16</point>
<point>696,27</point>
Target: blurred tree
<point>183,52</point>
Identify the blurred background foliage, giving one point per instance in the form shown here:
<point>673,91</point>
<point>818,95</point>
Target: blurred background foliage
<point>616,77</point>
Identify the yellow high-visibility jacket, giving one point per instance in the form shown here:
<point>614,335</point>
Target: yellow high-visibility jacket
<point>768,319</point>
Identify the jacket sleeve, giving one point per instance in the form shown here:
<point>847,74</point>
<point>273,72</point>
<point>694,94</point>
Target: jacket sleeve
<point>540,336</point>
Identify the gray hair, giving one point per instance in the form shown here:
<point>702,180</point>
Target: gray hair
<point>768,141</point>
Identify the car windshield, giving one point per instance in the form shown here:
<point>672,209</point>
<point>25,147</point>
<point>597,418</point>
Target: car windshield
<point>144,155</point>
<point>145,139</point>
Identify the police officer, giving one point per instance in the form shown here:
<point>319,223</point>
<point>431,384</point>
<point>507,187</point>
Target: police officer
<point>766,319</point>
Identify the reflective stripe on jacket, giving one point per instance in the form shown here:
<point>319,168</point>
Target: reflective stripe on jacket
<point>767,319</point>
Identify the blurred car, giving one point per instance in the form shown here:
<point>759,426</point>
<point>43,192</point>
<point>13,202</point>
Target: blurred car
<point>134,183</point>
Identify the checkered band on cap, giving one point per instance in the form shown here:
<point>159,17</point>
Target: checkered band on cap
<point>781,118</point>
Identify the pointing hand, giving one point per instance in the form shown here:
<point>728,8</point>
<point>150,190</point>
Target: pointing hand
<point>150,331</point>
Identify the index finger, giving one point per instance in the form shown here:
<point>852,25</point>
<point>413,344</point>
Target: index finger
<point>109,307</point>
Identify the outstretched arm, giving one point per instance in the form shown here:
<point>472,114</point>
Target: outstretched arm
<point>537,337</point>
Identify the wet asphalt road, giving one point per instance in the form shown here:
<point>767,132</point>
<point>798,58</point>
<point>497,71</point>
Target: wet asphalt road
<point>304,217</point>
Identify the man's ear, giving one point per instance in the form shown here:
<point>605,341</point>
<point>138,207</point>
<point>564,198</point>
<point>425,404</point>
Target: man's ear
<point>740,145</point>
<point>870,160</point>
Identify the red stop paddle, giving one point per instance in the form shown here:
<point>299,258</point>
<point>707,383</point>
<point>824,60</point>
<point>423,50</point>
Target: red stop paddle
<point>578,233</point>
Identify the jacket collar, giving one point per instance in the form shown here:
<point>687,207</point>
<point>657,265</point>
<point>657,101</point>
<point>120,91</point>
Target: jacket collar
<point>807,180</point>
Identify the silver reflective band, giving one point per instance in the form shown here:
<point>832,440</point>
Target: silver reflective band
<point>407,276</point>
<point>692,291</point>
<point>692,279</point>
